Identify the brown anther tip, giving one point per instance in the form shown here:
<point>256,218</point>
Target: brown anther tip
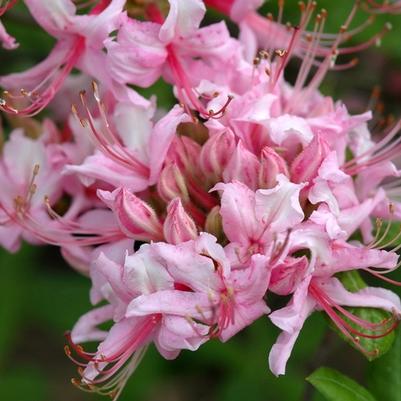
<point>280,52</point>
<point>33,189</point>
<point>324,12</point>
<point>36,168</point>
<point>269,16</point>
<point>343,28</point>
<point>82,93</point>
<point>74,108</point>
<point>211,112</point>
<point>67,350</point>
<point>388,26</point>
<point>301,6</point>
<point>256,61</point>
<point>391,208</point>
<point>354,62</point>
<point>76,382</point>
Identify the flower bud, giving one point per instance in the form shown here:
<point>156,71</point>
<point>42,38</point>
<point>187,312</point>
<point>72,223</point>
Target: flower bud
<point>172,184</point>
<point>306,165</point>
<point>243,166</point>
<point>178,226</point>
<point>216,153</point>
<point>184,152</point>
<point>272,164</point>
<point>135,217</point>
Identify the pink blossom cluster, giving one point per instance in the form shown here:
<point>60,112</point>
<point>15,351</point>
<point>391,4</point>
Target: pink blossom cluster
<point>186,219</point>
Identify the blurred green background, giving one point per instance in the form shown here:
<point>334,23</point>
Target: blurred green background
<point>40,297</point>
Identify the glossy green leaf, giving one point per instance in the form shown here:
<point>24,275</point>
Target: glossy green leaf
<point>385,374</point>
<point>14,273</point>
<point>337,387</point>
<point>375,347</point>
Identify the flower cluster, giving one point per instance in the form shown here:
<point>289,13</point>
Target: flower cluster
<point>185,219</point>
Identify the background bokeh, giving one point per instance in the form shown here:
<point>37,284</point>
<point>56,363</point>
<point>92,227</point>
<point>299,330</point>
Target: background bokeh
<point>40,297</point>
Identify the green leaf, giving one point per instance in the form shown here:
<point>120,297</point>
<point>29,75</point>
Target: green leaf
<point>375,347</point>
<point>352,280</point>
<point>14,273</point>
<point>385,374</point>
<point>337,387</point>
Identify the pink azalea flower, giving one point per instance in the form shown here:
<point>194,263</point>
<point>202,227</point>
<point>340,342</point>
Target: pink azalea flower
<point>29,175</point>
<point>157,296</point>
<point>315,288</point>
<point>258,222</point>
<point>79,44</point>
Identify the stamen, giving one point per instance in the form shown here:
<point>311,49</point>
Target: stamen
<point>107,141</point>
<point>37,101</point>
<point>345,328</point>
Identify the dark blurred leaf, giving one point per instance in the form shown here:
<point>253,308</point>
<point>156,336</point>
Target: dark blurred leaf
<point>337,387</point>
<point>14,273</point>
<point>375,347</point>
<point>385,374</point>
<point>24,383</point>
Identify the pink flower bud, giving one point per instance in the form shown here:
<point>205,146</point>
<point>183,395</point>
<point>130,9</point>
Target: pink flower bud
<point>184,152</point>
<point>178,226</point>
<point>172,184</point>
<point>135,217</point>
<point>216,153</point>
<point>306,165</point>
<point>271,165</point>
<point>243,166</point>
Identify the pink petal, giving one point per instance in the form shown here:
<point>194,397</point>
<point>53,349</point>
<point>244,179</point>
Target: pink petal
<point>279,207</point>
<point>171,302</point>
<point>85,328</point>
<point>183,19</point>
<point>238,212</point>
